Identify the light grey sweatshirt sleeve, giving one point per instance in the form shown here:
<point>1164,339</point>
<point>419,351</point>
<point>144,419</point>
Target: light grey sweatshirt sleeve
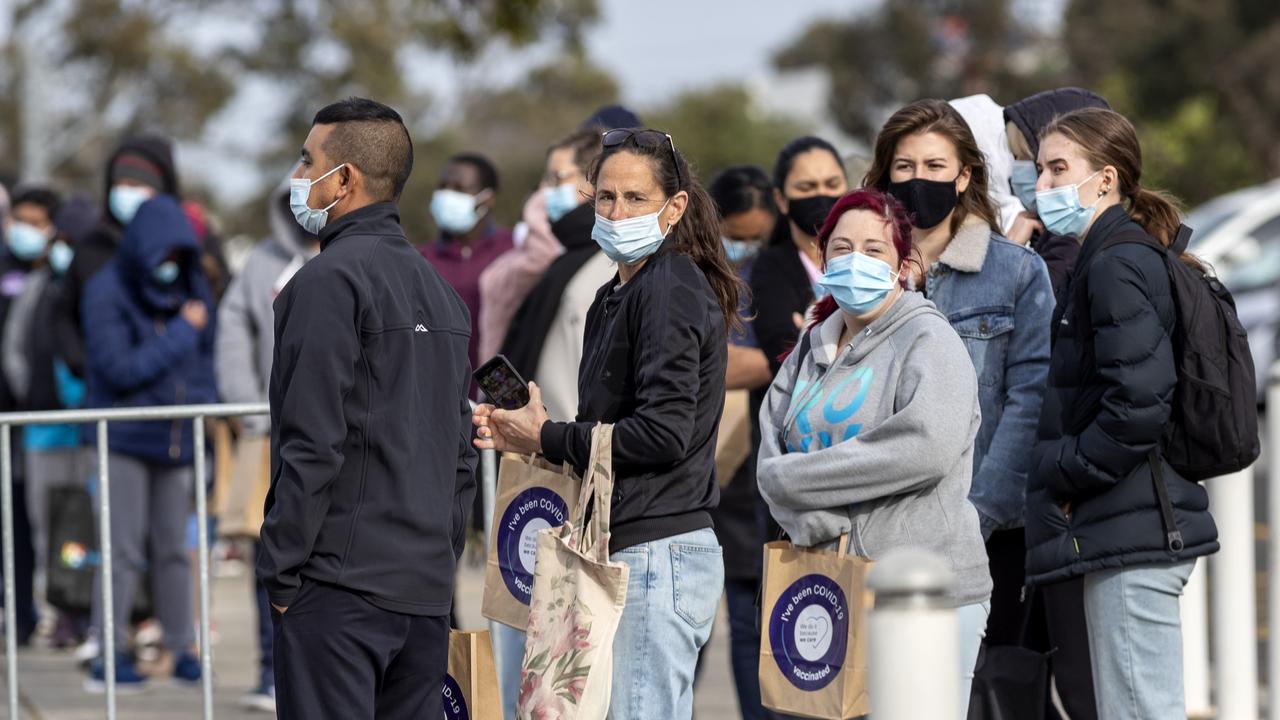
<point>235,352</point>
<point>914,448</point>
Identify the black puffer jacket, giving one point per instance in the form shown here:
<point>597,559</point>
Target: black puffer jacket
<point>1110,387</point>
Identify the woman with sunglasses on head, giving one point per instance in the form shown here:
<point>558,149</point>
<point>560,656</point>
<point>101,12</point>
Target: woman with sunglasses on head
<point>653,365</point>
<point>869,426</point>
<point>997,296</point>
<point>1100,486</point>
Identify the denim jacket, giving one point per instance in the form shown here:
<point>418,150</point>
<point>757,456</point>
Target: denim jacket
<point>997,296</point>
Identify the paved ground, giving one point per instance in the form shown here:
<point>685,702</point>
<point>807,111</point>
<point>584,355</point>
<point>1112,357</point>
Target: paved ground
<point>51,685</point>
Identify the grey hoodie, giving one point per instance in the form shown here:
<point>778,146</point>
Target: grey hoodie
<point>246,321</point>
<point>877,442</point>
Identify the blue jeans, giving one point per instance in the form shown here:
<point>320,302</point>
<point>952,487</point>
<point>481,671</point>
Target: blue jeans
<point>744,646</point>
<point>672,597</point>
<point>1135,640</point>
<point>508,650</point>
<point>972,620</point>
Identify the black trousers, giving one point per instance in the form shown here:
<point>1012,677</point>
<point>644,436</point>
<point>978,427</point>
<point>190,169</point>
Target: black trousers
<point>338,656</point>
<point>1051,619</point>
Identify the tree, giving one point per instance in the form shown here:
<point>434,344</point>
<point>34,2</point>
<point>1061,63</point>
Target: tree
<point>1198,80</point>
<point>906,50</point>
<point>86,72</point>
<point>720,126</point>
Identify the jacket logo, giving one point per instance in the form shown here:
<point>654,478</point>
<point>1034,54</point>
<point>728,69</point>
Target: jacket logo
<point>420,328</point>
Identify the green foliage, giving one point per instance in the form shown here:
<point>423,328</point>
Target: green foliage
<point>719,127</point>
<point>901,52</point>
<point>1198,80</point>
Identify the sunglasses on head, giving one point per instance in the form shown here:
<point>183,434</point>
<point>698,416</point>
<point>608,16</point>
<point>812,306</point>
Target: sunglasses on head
<point>647,139</point>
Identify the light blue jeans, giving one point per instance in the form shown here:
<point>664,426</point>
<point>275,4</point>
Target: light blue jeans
<point>1135,640</point>
<point>508,650</point>
<point>672,597</point>
<point>972,620</point>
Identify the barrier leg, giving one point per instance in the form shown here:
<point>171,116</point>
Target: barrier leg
<point>10,579</point>
<point>108,597</point>
<point>202,544</point>
<point>1272,451</point>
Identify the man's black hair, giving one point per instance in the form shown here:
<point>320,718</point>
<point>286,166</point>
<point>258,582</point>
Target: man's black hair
<point>39,195</point>
<point>372,137</point>
<point>488,173</point>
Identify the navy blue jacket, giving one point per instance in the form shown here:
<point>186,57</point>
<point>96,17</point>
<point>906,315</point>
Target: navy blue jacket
<point>139,350</point>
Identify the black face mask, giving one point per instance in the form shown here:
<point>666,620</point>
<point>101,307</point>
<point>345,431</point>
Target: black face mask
<point>810,213</point>
<point>928,202</point>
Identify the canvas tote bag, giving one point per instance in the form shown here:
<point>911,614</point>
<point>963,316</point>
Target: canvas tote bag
<point>533,495</point>
<point>733,439</point>
<point>578,599</point>
<point>813,643</point>
<point>239,507</point>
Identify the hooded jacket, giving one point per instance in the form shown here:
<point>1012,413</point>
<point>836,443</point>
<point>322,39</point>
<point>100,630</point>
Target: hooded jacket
<point>372,467</point>
<point>246,320</point>
<point>875,439</point>
<point>1031,116</point>
<point>986,120</point>
<point>1111,385</point>
<point>140,351</point>
<point>100,245</point>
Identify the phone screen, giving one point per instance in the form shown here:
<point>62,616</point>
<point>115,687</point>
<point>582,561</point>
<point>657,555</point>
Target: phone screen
<point>502,384</point>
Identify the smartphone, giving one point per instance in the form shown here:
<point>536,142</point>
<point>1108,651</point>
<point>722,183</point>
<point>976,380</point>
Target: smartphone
<point>502,384</point>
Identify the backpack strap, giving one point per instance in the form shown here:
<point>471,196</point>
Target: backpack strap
<point>1173,536</point>
<point>806,341</point>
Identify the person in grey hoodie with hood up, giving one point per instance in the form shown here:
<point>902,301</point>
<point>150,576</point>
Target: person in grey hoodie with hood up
<point>868,428</point>
<point>243,353</point>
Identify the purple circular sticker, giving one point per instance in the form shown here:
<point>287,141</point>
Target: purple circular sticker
<point>531,512</point>
<point>455,706</point>
<point>809,632</point>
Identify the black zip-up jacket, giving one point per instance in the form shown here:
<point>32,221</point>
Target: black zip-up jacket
<point>1111,383</point>
<point>653,364</point>
<point>372,468</point>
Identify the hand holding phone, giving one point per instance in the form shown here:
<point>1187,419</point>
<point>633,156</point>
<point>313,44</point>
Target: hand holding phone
<point>502,385</point>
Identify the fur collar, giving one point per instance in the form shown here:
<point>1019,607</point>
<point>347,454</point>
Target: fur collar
<point>967,251</point>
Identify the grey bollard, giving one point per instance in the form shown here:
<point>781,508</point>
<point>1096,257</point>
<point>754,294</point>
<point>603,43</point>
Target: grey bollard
<point>914,638</point>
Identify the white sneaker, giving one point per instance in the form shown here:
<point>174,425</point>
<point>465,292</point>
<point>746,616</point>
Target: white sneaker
<point>88,650</point>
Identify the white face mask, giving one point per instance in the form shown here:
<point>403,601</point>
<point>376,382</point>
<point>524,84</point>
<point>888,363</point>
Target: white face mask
<point>456,212</point>
<point>310,219</point>
<point>630,240</point>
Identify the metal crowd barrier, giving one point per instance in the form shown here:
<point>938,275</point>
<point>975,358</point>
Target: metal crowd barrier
<point>101,417</point>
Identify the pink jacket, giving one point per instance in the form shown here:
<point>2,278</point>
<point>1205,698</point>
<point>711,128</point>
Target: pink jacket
<point>509,279</point>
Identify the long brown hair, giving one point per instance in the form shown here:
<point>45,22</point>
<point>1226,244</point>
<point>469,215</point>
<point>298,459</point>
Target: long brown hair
<point>926,116</point>
<point>698,232</point>
<point>1108,138</point>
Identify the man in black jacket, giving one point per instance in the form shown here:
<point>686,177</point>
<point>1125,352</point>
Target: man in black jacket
<point>372,465</point>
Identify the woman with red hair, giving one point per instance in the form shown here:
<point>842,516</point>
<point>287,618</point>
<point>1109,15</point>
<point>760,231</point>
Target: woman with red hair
<point>868,429</point>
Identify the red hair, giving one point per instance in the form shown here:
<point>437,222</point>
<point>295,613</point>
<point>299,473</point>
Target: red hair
<point>893,214</point>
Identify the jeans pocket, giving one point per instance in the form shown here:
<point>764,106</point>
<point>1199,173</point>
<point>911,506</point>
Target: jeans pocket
<point>697,574</point>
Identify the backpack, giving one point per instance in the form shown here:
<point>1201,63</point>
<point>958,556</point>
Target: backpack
<point>1213,427</point>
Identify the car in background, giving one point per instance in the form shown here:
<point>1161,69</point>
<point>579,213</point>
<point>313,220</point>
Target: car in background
<point>1238,234</point>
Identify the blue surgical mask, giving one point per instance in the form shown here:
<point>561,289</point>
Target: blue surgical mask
<point>859,283</point>
<point>166,273</point>
<point>311,220</point>
<point>456,212</point>
<point>561,200</point>
<point>629,240</point>
<point>1023,183</point>
<point>739,251</point>
<point>124,201</point>
<point>26,242</point>
<point>1060,209</point>
<point>60,256</point>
